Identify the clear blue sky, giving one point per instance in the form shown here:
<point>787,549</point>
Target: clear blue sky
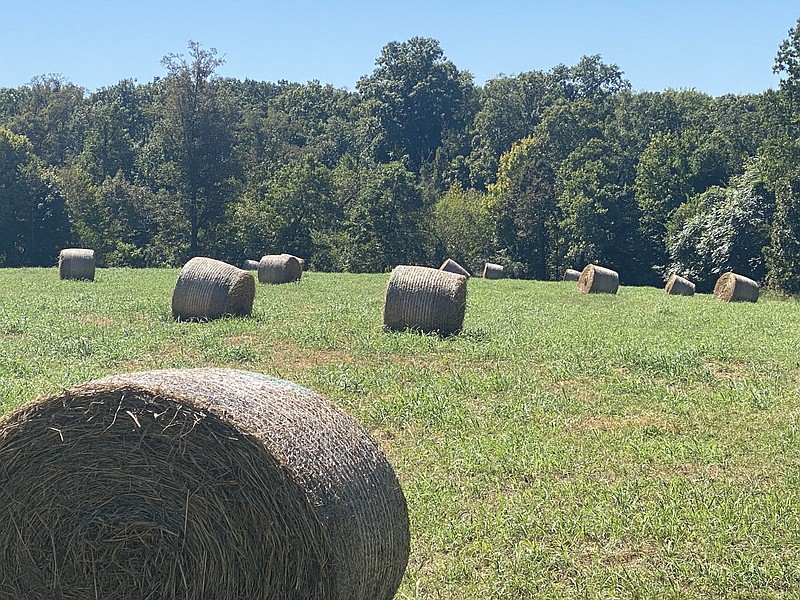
<point>716,47</point>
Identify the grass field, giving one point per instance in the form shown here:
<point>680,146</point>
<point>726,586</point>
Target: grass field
<point>563,446</point>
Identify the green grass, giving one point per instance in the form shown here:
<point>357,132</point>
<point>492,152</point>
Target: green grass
<point>563,446</point>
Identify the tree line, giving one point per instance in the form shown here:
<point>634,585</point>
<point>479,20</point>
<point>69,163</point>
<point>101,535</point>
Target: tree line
<point>539,171</point>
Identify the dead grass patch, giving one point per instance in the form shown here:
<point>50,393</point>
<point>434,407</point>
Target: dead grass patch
<point>587,422</point>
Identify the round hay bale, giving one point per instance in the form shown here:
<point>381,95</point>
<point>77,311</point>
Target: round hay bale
<point>572,275</point>
<point>279,268</point>
<point>250,265</point>
<point>679,286</point>
<point>598,280</point>
<point>452,266</point>
<point>492,271</point>
<point>208,289</point>
<point>76,263</point>
<point>732,287</point>
<point>425,299</point>
<point>195,484</point>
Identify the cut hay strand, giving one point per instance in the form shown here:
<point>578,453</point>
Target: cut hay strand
<point>279,268</point>
<point>732,287</point>
<point>492,271</point>
<point>452,266</point>
<point>425,299</point>
<point>679,286</point>
<point>76,263</point>
<point>598,280</point>
<point>209,289</point>
<point>572,275</point>
<point>196,484</point>
<point>250,265</point>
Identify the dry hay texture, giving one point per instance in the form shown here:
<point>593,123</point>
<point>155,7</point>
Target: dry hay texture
<point>452,266</point>
<point>198,484</point>
<point>76,263</point>
<point>425,299</point>
<point>492,271</point>
<point>572,275</point>
<point>209,289</point>
<point>279,268</point>
<point>250,265</point>
<point>732,287</point>
<point>598,280</point>
<point>679,286</point>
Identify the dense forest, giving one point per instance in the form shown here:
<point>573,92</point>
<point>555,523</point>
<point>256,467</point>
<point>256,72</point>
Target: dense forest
<point>539,171</point>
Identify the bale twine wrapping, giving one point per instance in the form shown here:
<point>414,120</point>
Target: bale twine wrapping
<point>425,299</point>
<point>250,265</point>
<point>76,263</point>
<point>208,289</point>
<point>598,280</point>
<point>279,268</point>
<point>492,271</point>
<point>196,484</point>
<point>572,275</point>
<point>732,287</point>
<point>679,286</point>
<point>452,266</point>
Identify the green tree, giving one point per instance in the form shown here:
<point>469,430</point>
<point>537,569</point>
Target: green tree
<point>663,183</point>
<point>464,226</point>
<point>787,64</point>
<point>722,229</point>
<point>51,116</point>
<point>190,154</point>
<point>783,254</point>
<point>510,109</point>
<point>383,222</point>
<point>415,95</point>
<point>116,123</point>
<point>33,223</point>
<point>600,213</point>
<point>288,211</point>
<point>523,201</point>
<point>780,157</point>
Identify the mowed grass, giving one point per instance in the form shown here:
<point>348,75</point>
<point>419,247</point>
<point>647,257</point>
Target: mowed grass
<point>563,446</point>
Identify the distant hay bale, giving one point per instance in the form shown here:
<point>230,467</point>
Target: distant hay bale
<point>194,484</point>
<point>425,299</point>
<point>279,268</point>
<point>208,289</point>
<point>732,287</point>
<point>250,265</point>
<point>492,271</point>
<point>76,263</point>
<point>679,286</point>
<point>572,275</point>
<point>452,266</point>
<point>598,280</point>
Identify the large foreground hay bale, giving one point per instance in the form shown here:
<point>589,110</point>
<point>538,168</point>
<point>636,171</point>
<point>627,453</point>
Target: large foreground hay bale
<point>250,265</point>
<point>76,263</point>
<point>572,275</point>
<point>425,299</point>
<point>452,266</point>
<point>679,286</point>
<point>279,268</point>
<point>598,280</point>
<point>492,271</point>
<point>732,287</point>
<point>196,484</point>
<point>208,289</point>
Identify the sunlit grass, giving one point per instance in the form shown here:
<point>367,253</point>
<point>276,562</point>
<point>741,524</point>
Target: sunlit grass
<point>563,446</point>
